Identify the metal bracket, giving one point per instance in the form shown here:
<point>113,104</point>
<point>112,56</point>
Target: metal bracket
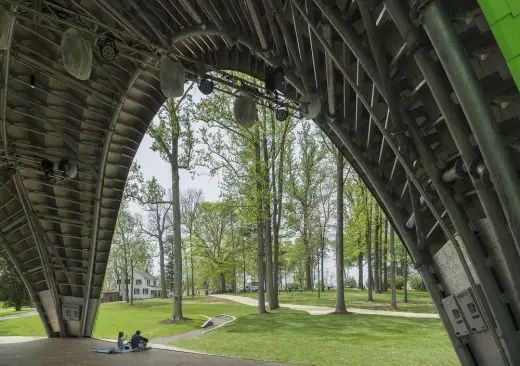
<point>416,10</point>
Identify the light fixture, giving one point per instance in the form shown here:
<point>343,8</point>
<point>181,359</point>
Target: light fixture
<point>274,79</point>
<point>68,170</point>
<point>33,81</point>
<point>206,85</point>
<point>281,114</point>
<point>76,54</point>
<point>172,77</point>
<point>107,47</point>
<point>244,110</point>
<point>312,105</point>
<point>48,171</point>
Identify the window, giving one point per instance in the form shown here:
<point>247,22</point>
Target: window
<point>136,291</point>
<point>148,282</point>
<point>154,283</point>
<point>145,291</point>
<point>138,282</point>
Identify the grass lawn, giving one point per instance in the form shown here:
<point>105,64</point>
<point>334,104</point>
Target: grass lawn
<point>144,315</point>
<point>12,311</point>
<point>295,337</point>
<point>418,301</point>
<point>283,335</point>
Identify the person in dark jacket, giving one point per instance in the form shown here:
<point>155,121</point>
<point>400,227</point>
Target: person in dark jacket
<point>138,342</point>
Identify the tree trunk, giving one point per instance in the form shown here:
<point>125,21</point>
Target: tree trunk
<point>376,252</point>
<point>322,255</point>
<point>360,266</point>
<point>405,285</point>
<point>369,248</point>
<point>176,211</point>
<point>318,270</point>
<point>308,254</point>
<point>222,280</point>
<point>393,303</point>
<point>244,259</point>
<point>385,257</point>
<point>131,282</point>
<point>192,268</point>
<point>340,285</point>
<point>161,268</point>
<point>267,226</point>
<point>259,225</point>
<point>381,246</point>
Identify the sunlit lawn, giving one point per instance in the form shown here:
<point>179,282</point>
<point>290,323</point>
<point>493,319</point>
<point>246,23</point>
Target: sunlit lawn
<point>295,337</point>
<point>418,301</point>
<point>143,315</point>
<point>12,311</point>
<point>282,336</point>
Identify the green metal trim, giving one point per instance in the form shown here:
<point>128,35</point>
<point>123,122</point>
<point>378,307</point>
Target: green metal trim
<point>503,17</point>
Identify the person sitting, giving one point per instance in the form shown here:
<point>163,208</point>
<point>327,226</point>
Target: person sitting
<point>138,342</point>
<point>121,345</point>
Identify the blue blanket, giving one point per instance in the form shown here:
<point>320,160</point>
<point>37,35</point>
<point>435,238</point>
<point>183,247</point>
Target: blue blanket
<point>111,350</point>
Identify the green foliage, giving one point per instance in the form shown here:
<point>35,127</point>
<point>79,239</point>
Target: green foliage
<point>12,290</point>
<point>416,282</point>
<point>399,282</point>
<point>350,282</point>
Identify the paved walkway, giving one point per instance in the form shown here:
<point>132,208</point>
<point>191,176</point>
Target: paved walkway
<point>322,310</point>
<point>23,315</point>
<point>23,351</point>
<point>218,321</point>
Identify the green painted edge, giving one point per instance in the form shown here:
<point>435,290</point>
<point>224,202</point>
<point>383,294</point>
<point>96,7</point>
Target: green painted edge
<point>503,17</point>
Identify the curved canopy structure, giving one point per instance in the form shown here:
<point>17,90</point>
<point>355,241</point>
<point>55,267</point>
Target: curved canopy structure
<point>416,94</point>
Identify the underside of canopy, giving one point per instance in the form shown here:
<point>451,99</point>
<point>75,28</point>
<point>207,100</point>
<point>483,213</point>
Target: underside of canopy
<point>417,96</point>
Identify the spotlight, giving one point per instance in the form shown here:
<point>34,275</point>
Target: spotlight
<point>281,114</point>
<point>68,170</point>
<point>33,81</point>
<point>48,171</point>
<point>274,79</point>
<point>206,85</point>
<point>107,47</point>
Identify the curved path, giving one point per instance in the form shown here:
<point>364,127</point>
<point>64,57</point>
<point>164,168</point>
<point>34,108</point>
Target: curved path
<point>22,315</point>
<point>218,321</point>
<point>323,310</point>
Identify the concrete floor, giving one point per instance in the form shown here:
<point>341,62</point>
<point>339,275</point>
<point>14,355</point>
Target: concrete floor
<point>76,352</point>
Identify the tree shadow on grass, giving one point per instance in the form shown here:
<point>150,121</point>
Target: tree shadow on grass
<point>319,326</point>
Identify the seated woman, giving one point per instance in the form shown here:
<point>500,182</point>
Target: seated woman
<point>121,345</point>
<point>138,342</point>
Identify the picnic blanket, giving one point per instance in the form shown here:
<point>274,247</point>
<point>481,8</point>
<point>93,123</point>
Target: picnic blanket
<point>111,350</point>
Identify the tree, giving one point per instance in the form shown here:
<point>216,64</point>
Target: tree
<point>12,290</point>
<point>393,303</point>
<point>302,186</point>
<point>169,131</point>
<point>190,201</point>
<point>340,287</point>
<point>214,242</point>
<point>129,250</point>
<point>152,198</point>
<point>368,201</point>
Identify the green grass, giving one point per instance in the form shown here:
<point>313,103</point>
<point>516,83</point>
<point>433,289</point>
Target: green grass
<point>295,337</point>
<point>12,311</point>
<point>418,301</point>
<point>282,336</point>
<point>143,315</point>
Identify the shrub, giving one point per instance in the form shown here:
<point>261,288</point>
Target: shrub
<point>350,282</point>
<point>399,282</point>
<point>416,282</point>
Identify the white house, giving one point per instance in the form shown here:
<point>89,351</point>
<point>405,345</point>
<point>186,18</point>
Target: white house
<point>145,286</point>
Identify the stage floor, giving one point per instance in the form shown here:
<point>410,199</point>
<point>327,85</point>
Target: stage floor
<point>26,351</point>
